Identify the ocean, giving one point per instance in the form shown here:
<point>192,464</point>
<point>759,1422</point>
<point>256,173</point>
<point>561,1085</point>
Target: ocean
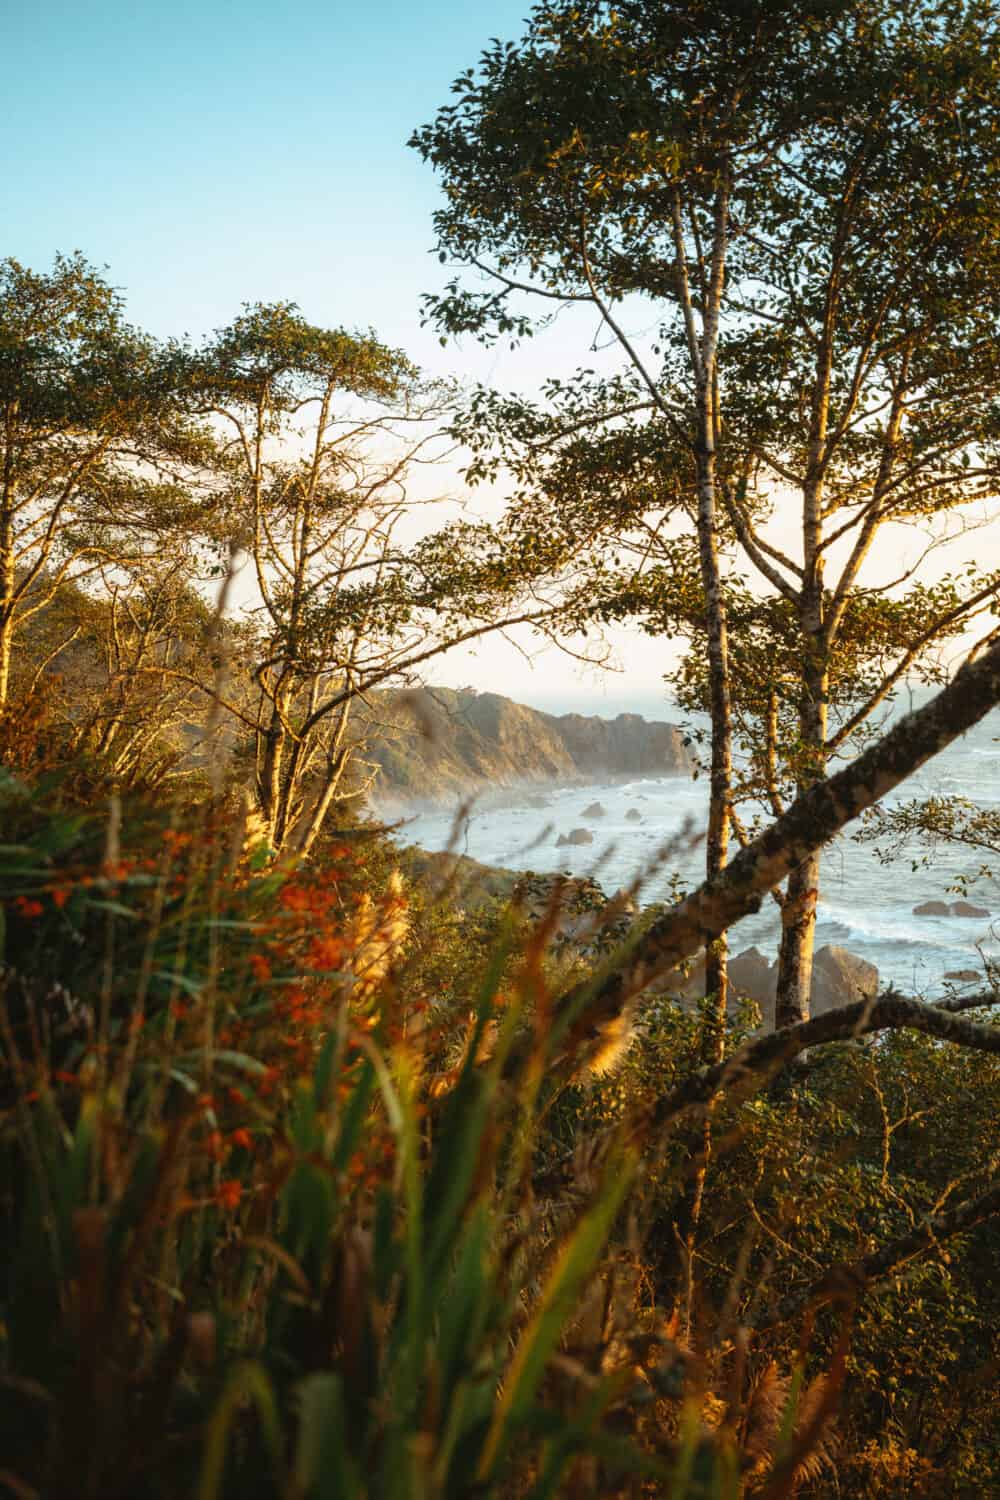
<point>865,905</point>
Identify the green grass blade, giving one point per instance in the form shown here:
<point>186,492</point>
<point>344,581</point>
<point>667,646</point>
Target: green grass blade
<point>558,1299</point>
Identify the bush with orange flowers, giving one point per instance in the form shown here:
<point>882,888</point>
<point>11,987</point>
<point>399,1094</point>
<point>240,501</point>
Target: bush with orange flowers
<point>300,1197</point>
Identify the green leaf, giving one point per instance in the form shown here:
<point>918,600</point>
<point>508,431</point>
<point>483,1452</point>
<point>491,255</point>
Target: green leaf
<point>247,1382</point>
<point>555,1307</point>
<point>324,1467</point>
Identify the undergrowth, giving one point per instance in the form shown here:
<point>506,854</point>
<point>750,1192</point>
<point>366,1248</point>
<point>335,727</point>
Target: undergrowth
<point>302,1198</point>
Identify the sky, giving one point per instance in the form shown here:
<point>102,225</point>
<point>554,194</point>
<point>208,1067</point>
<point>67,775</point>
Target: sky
<point>211,153</point>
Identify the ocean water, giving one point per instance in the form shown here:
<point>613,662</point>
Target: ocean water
<point>865,905</point>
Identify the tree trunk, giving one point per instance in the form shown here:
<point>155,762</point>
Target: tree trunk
<point>6,641</point>
<point>268,778</point>
<point>795,955</point>
<point>717,840</point>
<point>798,916</point>
<point>719,815</point>
<point>8,581</point>
<point>811,821</point>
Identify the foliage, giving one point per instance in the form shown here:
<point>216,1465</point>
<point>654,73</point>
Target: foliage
<point>783,219</point>
<point>283,1221</point>
<point>97,444</point>
<point>318,1180</point>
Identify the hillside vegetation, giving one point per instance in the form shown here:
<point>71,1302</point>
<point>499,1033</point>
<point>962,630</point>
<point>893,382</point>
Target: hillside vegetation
<point>320,1180</point>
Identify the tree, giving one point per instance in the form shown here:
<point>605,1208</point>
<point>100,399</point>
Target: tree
<point>862,377</point>
<point>95,446</point>
<point>803,195</point>
<point>319,434</point>
<point>817,815</point>
<point>103,661</point>
<point>597,161</point>
<point>144,722</point>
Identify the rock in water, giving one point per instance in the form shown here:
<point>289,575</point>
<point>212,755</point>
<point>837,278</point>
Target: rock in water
<point>595,810</point>
<point>634,815</point>
<point>956,909</point>
<point>840,978</point>
<point>578,836</point>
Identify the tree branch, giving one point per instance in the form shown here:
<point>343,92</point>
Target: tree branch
<point>749,1070</point>
<point>812,820</point>
<point>851,1279</point>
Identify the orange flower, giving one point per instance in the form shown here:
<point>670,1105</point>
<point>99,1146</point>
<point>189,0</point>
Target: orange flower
<point>241,1137</point>
<point>261,966</point>
<point>60,896</point>
<point>294,898</point>
<point>268,1082</point>
<point>28,907</point>
<point>325,953</point>
<point>229,1193</point>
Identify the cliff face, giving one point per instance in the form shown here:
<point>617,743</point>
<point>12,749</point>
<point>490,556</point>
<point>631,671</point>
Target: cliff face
<point>626,746</point>
<point>440,744</point>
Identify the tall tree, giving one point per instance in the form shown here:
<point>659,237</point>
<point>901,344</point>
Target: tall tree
<point>806,189</point>
<point>319,433</point>
<point>95,446</point>
<point>602,161</point>
<point>862,379</point>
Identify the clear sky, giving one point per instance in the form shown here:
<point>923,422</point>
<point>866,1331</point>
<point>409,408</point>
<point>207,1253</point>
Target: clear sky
<point>212,153</point>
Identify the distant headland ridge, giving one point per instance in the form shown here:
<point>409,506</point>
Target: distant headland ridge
<point>438,745</point>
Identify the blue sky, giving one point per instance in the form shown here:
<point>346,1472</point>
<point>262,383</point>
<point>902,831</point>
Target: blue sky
<point>213,153</point>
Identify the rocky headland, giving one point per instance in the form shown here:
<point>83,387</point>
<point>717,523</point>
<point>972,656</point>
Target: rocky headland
<point>440,745</point>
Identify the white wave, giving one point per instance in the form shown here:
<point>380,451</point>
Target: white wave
<point>896,926</point>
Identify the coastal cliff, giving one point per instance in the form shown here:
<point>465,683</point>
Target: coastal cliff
<point>442,744</point>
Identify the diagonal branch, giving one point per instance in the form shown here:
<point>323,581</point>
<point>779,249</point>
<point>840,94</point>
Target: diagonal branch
<point>812,820</point>
<point>750,1069</point>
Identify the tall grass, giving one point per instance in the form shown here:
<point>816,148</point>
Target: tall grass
<point>284,1221</point>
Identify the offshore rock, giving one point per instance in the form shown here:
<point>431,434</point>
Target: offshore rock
<point>839,978</point>
<point>956,909</point>
<point>966,909</point>
<point>578,836</point>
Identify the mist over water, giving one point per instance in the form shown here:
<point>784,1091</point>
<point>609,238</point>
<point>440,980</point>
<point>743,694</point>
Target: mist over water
<point>865,905</point>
